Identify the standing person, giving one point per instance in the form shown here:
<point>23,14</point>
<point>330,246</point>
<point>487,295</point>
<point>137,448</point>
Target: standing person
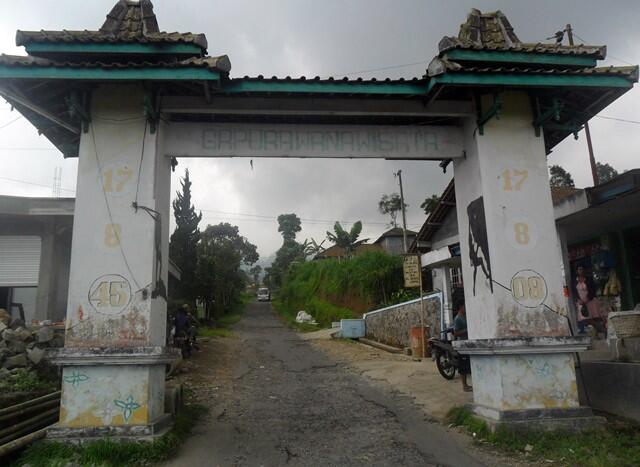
<point>460,333</point>
<point>587,304</point>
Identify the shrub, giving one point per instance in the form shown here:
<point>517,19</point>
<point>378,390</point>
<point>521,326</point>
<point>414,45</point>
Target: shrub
<point>333,289</point>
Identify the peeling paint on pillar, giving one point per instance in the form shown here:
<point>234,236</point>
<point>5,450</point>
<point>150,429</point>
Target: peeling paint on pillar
<point>521,382</point>
<point>103,398</point>
<point>521,357</point>
<point>114,359</point>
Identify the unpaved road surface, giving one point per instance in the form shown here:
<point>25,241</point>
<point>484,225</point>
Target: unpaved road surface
<point>275,400</point>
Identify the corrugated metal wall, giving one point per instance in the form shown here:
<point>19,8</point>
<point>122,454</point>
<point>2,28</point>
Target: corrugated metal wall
<point>19,260</point>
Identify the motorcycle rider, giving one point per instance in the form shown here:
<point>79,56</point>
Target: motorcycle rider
<point>460,333</point>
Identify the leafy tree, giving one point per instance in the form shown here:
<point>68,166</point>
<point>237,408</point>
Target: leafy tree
<point>220,279</point>
<point>430,204</point>
<point>560,177</point>
<point>391,205</point>
<point>348,241</point>
<point>290,251</point>
<point>605,172</point>
<point>255,273</point>
<point>289,226</point>
<point>184,240</point>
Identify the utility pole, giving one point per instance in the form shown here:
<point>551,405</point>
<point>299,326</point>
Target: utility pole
<point>592,159</point>
<point>404,214</point>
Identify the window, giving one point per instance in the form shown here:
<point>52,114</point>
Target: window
<point>456,277</point>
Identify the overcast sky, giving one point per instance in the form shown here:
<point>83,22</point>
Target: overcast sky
<point>326,38</point>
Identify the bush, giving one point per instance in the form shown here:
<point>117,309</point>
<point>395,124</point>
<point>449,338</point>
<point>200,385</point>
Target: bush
<point>331,290</point>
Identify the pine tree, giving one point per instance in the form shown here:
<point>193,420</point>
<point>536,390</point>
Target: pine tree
<point>184,240</point>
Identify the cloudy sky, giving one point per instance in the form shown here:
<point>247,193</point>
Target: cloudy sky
<point>368,38</point>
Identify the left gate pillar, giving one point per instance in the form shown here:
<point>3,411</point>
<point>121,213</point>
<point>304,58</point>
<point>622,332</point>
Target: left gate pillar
<point>115,356</point>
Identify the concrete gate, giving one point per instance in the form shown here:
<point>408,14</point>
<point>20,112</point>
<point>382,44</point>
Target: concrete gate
<point>127,98</point>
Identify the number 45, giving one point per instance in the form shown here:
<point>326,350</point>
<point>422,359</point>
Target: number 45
<point>514,176</point>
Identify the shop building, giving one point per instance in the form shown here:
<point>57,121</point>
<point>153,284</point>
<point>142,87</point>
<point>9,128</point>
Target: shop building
<point>598,229</point>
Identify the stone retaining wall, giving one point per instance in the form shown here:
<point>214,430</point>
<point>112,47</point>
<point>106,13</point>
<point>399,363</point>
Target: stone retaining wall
<point>391,325</point>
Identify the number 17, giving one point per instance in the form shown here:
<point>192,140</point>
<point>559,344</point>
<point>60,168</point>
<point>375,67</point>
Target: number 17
<point>519,176</point>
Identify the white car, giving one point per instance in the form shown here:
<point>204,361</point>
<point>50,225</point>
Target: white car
<point>263,294</point>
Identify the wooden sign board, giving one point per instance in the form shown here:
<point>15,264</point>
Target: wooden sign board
<point>412,273</point>
<point>255,140</point>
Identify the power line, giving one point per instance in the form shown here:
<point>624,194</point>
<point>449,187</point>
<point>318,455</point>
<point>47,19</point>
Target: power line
<point>27,149</point>
<point>608,54</point>
<point>606,117</point>
<point>303,219</point>
<point>33,183</point>
<point>10,122</point>
<point>391,67</point>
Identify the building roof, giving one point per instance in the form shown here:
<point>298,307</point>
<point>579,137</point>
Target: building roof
<point>487,57</point>
<point>32,206</point>
<point>334,251</point>
<point>447,203</point>
<point>214,64</point>
<point>558,193</point>
<point>395,232</point>
<point>128,21</point>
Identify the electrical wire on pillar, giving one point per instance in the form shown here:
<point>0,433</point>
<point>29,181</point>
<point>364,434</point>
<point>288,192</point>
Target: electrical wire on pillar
<point>106,201</point>
<point>159,288</point>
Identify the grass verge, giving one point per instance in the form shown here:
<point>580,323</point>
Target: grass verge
<point>616,444</point>
<point>107,453</point>
<point>224,322</point>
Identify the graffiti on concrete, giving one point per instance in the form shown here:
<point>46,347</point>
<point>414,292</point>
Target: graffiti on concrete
<point>127,407</point>
<point>478,241</point>
<point>75,378</point>
<point>540,367</point>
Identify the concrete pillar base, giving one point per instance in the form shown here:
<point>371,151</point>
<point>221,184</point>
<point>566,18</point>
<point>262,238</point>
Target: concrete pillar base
<point>574,419</point>
<point>527,382</point>
<point>81,435</point>
<point>114,392</point>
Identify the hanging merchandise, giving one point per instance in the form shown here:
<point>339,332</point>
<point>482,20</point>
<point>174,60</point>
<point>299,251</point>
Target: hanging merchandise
<point>613,286</point>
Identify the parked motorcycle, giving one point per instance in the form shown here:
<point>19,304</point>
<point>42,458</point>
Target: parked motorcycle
<point>444,354</point>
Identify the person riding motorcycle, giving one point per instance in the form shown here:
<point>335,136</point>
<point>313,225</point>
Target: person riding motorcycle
<point>185,329</point>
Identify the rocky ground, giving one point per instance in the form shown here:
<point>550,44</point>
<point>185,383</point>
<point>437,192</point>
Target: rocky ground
<point>277,399</point>
<point>22,349</point>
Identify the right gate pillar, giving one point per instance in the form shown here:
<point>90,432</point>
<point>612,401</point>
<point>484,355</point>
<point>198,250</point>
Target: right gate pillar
<point>521,348</point>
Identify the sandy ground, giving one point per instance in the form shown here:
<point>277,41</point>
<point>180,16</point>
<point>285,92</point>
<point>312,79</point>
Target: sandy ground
<point>418,379</point>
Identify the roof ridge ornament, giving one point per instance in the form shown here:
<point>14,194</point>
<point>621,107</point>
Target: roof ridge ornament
<point>131,18</point>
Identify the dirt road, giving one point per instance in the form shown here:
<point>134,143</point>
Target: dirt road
<point>275,400</point>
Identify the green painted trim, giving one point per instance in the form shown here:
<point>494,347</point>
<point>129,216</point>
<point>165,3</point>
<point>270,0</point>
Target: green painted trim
<point>503,79</point>
<point>99,74</point>
<point>521,58</point>
<point>240,86</point>
<point>110,48</point>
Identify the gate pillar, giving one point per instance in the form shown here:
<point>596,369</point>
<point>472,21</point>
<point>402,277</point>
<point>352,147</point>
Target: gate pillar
<point>520,343</point>
<point>114,357</point>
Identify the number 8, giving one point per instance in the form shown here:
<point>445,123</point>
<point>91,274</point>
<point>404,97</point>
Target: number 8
<point>522,232</point>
